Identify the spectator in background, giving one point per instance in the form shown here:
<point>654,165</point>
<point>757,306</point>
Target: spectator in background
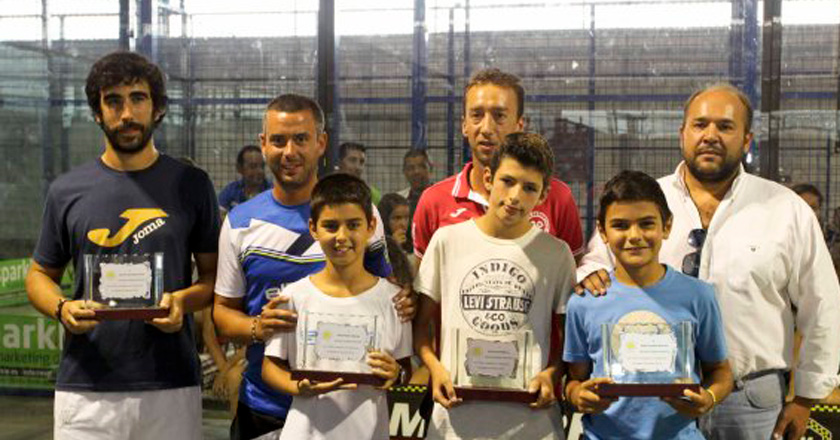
<point>351,160</point>
<point>250,164</point>
<point>417,170</point>
<point>832,238</point>
<point>831,228</point>
<point>394,210</point>
<point>812,196</point>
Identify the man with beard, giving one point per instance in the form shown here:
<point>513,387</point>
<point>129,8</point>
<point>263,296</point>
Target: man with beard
<point>494,105</point>
<point>761,247</point>
<point>265,244</point>
<point>127,378</point>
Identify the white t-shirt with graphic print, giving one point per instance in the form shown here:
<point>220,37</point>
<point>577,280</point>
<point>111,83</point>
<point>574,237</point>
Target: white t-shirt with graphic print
<point>494,287</point>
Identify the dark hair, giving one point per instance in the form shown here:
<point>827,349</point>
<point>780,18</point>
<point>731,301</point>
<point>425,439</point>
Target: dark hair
<point>400,266</point>
<point>745,100</point>
<point>802,188</point>
<point>240,157</point>
<point>347,146</point>
<point>501,79</point>
<point>633,186</point>
<point>386,206</point>
<point>339,189</point>
<point>416,152</point>
<point>530,150</point>
<point>123,67</point>
<point>293,103</point>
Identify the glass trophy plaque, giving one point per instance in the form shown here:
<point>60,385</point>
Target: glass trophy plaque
<point>332,346</point>
<point>493,368</point>
<point>125,286</point>
<point>648,359</point>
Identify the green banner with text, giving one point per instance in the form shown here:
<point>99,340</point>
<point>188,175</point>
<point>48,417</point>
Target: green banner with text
<point>12,276</point>
<point>30,348</point>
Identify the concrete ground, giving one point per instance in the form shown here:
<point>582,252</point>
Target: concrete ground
<point>30,418</point>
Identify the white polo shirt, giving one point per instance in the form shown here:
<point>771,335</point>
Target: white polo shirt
<point>766,256</point>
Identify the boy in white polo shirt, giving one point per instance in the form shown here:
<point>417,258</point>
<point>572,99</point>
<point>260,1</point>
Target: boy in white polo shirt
<point>497,276</point>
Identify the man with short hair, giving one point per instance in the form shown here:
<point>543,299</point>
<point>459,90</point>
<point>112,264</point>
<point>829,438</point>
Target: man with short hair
<point>417,170</point>
<point>127,378</point>
<point>265,244</point>
<point>251,166</point>
<point>494,105</point>
<point>352,157</point>
<point>762,248</point>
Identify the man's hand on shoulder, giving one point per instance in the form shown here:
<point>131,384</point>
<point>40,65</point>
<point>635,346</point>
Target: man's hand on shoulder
<point>596,283</point>
<point>405,302</point>
<point>274,319</point>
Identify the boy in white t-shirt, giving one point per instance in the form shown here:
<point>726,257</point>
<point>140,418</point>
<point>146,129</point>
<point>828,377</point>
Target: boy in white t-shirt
<point>342,222</point>
<point>497,277</point>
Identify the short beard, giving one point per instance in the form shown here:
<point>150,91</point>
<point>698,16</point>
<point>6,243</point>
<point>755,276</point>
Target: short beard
<point>113,138</point>
<point>725,172</point>
<point>291,185</point>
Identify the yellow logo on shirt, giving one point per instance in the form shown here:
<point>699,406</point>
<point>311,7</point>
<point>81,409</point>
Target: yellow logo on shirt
<point>136,217</point>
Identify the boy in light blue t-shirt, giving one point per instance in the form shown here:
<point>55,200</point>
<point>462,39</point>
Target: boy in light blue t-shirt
<point>633,220</point>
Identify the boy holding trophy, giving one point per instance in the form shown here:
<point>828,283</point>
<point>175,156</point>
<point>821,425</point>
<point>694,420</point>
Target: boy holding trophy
<point>644,338</point>
<point>349,335</point>
<point>497,280</point>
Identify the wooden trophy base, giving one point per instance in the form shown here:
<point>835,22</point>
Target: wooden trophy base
<point>646,389</point>
<point>130,314</point>
<point>495,394</point>
<point>329,376</point>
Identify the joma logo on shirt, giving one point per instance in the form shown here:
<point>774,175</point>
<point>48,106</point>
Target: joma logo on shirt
<point>136,217</point>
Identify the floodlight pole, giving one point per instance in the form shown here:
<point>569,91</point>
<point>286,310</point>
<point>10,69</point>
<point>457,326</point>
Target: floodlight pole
<point>125,23</point>
<point>47,147</point>
<point>743,51</point>
<point>327,82</point>
<point>450,96</point>
<point>466,152</point>
<point>771,67</point>
<point>419,72</point>
<point>145,38</point>
<point>590,157</point>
